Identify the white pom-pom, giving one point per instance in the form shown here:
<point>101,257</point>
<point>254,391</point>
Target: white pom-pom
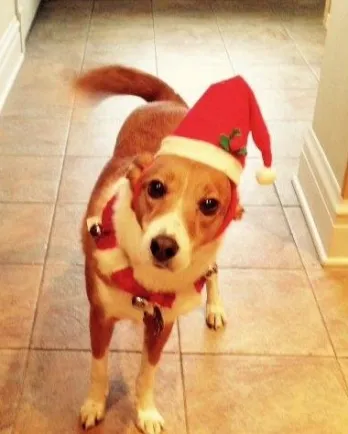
<point>265,176</point>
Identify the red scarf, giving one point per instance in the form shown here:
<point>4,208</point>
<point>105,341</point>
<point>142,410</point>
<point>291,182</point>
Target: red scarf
<point>124,278</point>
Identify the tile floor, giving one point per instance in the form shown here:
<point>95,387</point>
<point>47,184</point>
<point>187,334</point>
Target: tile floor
<point>281,365</point>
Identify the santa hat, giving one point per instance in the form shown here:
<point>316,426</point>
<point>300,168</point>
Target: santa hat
<point>215,131</point>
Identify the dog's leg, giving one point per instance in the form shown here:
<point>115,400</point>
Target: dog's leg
<point>149,420</point>
<point>93,410</point>
<point>215,312</point>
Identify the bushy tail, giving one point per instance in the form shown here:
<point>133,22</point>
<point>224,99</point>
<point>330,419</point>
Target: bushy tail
<point>121,80</point>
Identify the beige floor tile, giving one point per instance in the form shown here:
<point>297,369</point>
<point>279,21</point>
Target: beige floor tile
<point>60,30</point>
<point>66,10</point>
<point>316,69</point>
<point>65,246</point>
<point>265,29</point>
<point>29,179</point>
<point>62,319</point>
<point>268,312</point>
<point>261,9</point>
<point>302,237</point>
<point>262,41</point>
<point>330,288</point>
<point>37,101</point>
<point>93,137</point>
<point>261,239</point>
<point>134,23</point>
<point>62,392</point>
<point>286,170</point>
<point>187,77</point>
<point>180,8</point>
<point>114,107</point>
<point>292,11</point>
<point>264,395</point>
<point>56,51</point>
<point>282,52</point>
<point>252,193</point>
<point>34,109</point>
<point>289,104</point>
<point>309,37</point>
<point>79,177</point>
<point>279,76</point>
<point>344,366</point>
<point>106,10</point>
<point>287,138</point>
<point>40,84</point>
<point>19,290</point>
<point>12,366</point>
<point>25,230</point>
<point>139,55</point>
<point>20,135</point>
<point>43,75</point>
<point>185,81</point>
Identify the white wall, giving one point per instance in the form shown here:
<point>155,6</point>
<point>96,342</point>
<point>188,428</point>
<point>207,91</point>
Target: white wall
<point>16,18</point>
<point>11,54</point>
<point>331,113</point>
<point>7,14</point>
<point>28,9</point>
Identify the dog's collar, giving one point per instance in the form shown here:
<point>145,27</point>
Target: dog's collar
<point>122,276</point>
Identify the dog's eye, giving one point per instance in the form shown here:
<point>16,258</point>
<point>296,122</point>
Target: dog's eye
<point>209,206</point>
<point>156,189</point>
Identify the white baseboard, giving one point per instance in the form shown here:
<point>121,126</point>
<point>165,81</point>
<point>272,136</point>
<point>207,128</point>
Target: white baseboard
<point>11,58</point>
<point>324,209</point>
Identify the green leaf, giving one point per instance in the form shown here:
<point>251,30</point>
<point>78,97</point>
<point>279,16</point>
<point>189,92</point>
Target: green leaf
<point>243,151</point>
<point>225,143</point>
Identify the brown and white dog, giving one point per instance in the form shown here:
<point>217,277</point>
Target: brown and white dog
<point>153,222</point>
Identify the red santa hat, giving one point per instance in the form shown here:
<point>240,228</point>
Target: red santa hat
<point>215,131</point>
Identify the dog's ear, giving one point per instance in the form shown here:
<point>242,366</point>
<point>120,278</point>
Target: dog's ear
<point>139,164</point>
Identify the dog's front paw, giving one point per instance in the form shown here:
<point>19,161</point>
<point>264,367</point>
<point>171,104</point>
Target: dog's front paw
<point>92,412</point>
<point>215,316</point>
<point>150,421</point>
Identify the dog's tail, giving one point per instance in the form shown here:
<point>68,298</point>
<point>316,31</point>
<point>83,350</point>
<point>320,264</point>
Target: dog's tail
<point>121,80</point>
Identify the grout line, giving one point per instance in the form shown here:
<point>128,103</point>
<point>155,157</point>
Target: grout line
<point>311,287</point>
<point>41,264</point>
<point>345,383</point>
<point>25,202</point>
<point>298,48</point>
<point>221,36</point>
<point>259,355</point>
<point>26,364</point>
<point>233,354</point>
<point>181,357</point>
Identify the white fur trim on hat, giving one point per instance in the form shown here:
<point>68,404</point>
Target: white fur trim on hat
<point>203,152</point>
<point>265,176</point>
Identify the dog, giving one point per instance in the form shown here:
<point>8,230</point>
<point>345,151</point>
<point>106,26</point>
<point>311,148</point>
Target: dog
<point>150,236</point>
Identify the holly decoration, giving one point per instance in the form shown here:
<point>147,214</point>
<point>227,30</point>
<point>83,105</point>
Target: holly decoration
<point>225,140</point>
<point>242,151</point>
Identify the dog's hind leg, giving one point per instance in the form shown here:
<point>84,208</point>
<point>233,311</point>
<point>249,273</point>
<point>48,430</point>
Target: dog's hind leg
<point>101,329</point>
<point>215,312</point>
<point>149,420</point>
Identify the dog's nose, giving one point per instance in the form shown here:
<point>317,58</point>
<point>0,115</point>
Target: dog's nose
<point>163,248</point>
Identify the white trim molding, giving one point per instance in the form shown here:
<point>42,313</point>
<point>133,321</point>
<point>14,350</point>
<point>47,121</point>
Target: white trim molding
<point>325,211</point>
<point>11,58</point>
